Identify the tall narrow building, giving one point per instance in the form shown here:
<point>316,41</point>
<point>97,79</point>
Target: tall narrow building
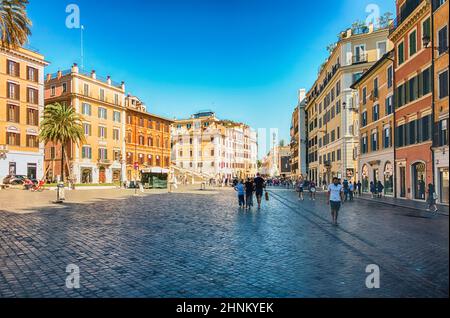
<point>413,98</point>
<point>21,107</point>
<point>441,99</point>
<point>332,116</point>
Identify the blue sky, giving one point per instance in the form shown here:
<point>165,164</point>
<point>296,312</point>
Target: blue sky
<point>243,59</point>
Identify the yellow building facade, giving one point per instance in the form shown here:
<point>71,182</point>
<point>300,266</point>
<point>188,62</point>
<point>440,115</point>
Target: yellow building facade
<point>332,116</point>
<point>374,98</point>
<point>101,103</point>
<point>21,107</point>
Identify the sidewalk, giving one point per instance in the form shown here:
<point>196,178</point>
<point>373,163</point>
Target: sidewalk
<point>404,203</point>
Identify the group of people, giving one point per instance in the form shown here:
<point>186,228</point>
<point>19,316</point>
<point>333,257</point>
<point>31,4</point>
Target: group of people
<point>247,189</point>
<point>305,185</point>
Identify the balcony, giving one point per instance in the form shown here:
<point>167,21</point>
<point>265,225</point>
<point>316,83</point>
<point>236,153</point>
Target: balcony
<point>361,58</point>
<point>104,162</point>
<point>405,12</point>
<point>327,163</point>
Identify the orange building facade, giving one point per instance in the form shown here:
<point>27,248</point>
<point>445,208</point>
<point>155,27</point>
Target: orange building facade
<point>413,99</point>
<point>148,141</point>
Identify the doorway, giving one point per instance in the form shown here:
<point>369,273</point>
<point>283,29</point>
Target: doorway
<point>102,175</point>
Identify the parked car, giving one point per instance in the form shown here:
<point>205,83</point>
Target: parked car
<point>17,180</point>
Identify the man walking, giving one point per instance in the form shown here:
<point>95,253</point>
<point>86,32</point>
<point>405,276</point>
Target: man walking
<point>260,184</point>
<point>335,198</point>
<point>249,188</point>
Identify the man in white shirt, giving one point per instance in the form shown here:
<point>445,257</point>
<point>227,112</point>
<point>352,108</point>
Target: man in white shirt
<point>335,198</point>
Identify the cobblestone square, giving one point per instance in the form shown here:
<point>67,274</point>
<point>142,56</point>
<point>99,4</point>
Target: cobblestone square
<point>199,244</point>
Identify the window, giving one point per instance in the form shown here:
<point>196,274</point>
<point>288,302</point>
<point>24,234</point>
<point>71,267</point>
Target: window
<point>116,134</point>
<point>424,128</point>
<point>13,114</point>
<point>339,154</point>
<point>426,81</point>
<point>413,43</point>
<point>102,113</point>
<point>103,154</point>
<point>400,136</point>
<point>426,28</point>
<point>375,88</point>
<point>116,116</point>
<point>13,68</point>
<point>375,141</point>
<point>443,84</point>
<point>32,117</point>
<point>64,87</point>
<point>32,74</point>
<point>150,141</point>
<point>102,132</point>
<point>141,140</point>
<point>376,112</point>
<point>412,132</point>
<point>86,109</point>
<point>390,76</point>
<point>116,155</point>
<point>338,107</point>
<point>32,141</point>
<point>443,132</point>
<point>338,88</point>
<point>87,129</point>
<point>32,96</point>
<point>364,144</point>
<point>389,105</point>
<point>53,90</point>
<point>13,139</point>
<point>386,137</point>
<point>13,91</point>
<point>364,119</point>
<point>401,53</point>
<point>381,49</point>
<point>364,95</point>
<point>86,89</point>
<point>116,99</point>
<point>443,40</point>
<point>102,94</point>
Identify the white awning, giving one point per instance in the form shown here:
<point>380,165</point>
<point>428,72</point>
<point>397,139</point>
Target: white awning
<point>155,170</point>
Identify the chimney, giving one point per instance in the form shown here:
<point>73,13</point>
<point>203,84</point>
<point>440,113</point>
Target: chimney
<point>75,68</point>
<point>59,74</point>
<point>371,27</point>
<point>108,80</point>
<point>49,77</point>
<point>93,74</point>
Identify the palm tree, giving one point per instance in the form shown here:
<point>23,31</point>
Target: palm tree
<point>61,125</point>
<point>14,23</point>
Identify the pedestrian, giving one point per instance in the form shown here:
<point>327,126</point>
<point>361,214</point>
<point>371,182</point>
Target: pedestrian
<point>351,190</point>
<point>249,189</point>
<point>359,186</point>
<point>312,191</point>
<point>241,193</point>
<point>300,189</point>
<point>335,198</point>
<point>432,197</point>
<point>260,185</point>
<point>373,189</point>
<point>346,189</point>
<point>380,189</point>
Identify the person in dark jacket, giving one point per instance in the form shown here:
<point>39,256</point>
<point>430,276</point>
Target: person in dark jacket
<point>380,189</point>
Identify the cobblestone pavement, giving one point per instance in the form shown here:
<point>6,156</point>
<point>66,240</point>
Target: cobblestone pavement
<point>198,244</point>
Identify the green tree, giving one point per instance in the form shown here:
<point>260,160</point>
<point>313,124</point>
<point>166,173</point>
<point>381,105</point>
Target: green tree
<point>61,125</point>
<point>14,23</point>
